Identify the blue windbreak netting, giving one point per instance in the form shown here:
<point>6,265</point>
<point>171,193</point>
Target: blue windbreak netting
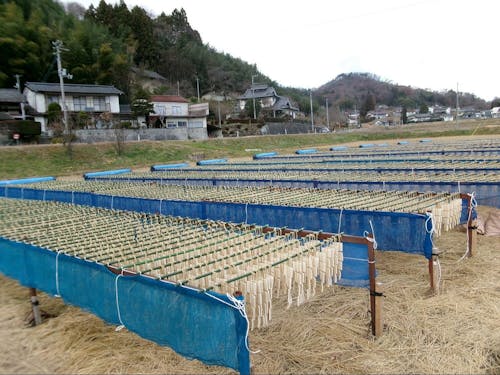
<point>355,271</point>
<point>393,230</point>
<point>487,193</point>
<point>190,322</point>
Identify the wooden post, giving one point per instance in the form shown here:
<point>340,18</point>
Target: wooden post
<point>379,325</point>
<point>472,236</point>
<point>37,316</point>
<point>471,226</point>
<point>375,295</point>
<point>433,274</point>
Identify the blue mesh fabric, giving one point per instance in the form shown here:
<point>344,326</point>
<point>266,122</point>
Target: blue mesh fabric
<point>394,231</point>
<point>190,322</point>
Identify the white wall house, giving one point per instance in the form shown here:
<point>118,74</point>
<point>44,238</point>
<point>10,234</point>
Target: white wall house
<point>172,111</point>
<point>93,99</point>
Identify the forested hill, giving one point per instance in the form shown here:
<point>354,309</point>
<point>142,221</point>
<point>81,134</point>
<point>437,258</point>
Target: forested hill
<point>356,89</point>
<point>103,43</point>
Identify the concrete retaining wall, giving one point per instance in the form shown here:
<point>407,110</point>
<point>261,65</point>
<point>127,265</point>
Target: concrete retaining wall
<point>109,135</point>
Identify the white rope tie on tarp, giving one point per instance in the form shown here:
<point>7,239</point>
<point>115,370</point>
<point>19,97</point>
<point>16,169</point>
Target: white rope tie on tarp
<point>121,326</point>
<point>372,238</point>
<point>58,293</point>
<point>240,306</point>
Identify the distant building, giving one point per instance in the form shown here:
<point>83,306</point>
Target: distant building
<point>269,100</point>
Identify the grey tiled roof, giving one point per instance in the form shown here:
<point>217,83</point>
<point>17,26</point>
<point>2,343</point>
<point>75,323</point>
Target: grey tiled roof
<point>284,103</point>
<point>258,92</point>
<point>11,96</point>
<point>71,88</point>
<point>148,74</point>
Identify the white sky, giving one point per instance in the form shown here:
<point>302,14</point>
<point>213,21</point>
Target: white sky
<point>434,44</point>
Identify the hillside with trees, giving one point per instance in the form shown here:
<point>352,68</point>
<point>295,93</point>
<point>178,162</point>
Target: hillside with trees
<point>103,43</point>
<point>364,91</point>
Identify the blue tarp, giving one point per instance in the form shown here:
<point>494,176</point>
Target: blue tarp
<point>160,167</point>
<point>191,322</point>
<point>211,161</point>
<point>395,231</point>
<point>487,193</point>
<point>26,180</point>
<point>264,155</point>
<point>306,151</point>
<point>107,173</point>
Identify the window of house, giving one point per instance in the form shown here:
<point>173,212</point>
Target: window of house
<point>79,103</point>
<point>182,124</point>
<point>160,109</point>
<point>196,124</point>
<point>176,110</point>
<point>101,104</point>
<point>171,124</point>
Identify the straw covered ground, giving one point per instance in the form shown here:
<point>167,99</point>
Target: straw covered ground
<point>457,331</point>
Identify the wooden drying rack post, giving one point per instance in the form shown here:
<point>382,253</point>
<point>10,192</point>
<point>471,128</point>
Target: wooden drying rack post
<point>471,226</point>
<point>375,288</point>
<point>471,243</point>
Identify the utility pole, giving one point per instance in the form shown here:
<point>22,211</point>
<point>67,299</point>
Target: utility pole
<point>312,114</point>
<point>198,88</point>
<point>253,98</point>
<point>218,111</point>
<point>18,87</point>
<point>327,115</point>
<point>178,89</point>
<point>456,111</point>
<point>62,73</point>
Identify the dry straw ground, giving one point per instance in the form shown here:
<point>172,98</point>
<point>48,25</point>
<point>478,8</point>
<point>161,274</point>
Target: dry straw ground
<point>457,331</point>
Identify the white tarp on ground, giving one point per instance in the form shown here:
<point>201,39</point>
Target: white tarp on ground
<point>492,224</point>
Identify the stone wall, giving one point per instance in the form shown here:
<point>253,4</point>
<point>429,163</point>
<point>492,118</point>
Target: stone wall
<point>109,135</point>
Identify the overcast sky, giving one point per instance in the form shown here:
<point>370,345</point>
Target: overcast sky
<point>433,44</point>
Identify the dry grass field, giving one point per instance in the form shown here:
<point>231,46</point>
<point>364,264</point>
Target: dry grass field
<point>454,332</point>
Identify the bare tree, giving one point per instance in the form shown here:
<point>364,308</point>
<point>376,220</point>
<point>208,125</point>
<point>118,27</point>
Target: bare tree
<point>119,130</point>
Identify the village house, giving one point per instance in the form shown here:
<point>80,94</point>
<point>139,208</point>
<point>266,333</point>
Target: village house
<point>12,103</point>
<point>270,102</point>
<point>172,111</point>
<point>91,99</point>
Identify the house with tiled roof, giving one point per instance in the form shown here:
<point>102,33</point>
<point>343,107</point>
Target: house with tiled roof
<point>91,99</point>
<point>11,101</point>
<point>270,102</point>
<point>173,111</point>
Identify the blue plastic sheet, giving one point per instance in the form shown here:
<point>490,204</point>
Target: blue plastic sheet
<point>264,155</point>
<point>212,161</point>
<point>404,232</point>
<point>161,167</point>
<point>107,173</point>
<point>192,323</point>
<point>487,193</point>
<point>26,180</point>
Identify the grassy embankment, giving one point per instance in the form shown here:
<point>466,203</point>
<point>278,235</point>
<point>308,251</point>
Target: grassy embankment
<point>44,160</point>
